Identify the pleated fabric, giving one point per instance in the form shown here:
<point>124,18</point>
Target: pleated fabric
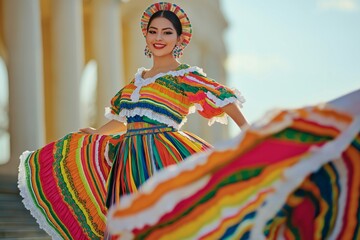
<point>295,175</point>
<point>69,184</point>
<point>144,150</point>
<point>64,185</point>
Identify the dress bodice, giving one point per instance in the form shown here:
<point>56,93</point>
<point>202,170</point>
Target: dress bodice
<point>167,98</point>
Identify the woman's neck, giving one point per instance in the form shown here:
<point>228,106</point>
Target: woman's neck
<point>164,63</point>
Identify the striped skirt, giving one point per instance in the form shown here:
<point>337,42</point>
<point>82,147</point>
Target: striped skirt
<point>68,184</point>
<point>295,175</point>
<point>144,150</point>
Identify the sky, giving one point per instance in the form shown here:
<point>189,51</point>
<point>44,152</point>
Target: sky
<point>289,54</point>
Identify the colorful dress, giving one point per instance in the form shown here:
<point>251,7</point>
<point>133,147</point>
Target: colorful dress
<point>69,184</point>
<point>295,174</point>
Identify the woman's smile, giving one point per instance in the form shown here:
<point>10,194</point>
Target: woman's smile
<point>159,46</point>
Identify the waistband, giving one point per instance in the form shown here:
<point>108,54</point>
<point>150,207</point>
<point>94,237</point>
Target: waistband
<point>146,128</point>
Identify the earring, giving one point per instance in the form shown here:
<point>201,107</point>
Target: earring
<point>147,52</point>
<point>177,51</point>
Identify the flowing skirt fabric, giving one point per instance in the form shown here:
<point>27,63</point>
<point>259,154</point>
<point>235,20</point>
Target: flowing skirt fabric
<point>69,184</point>
<point>295,175</point>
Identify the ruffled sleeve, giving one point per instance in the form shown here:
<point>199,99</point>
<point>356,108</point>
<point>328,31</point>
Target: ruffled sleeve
<point>208,96</point>
<point>113,111</point>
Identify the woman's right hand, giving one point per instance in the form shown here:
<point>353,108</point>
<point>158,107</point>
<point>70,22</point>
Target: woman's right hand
<point>88,130</point>
<point>111,127</point>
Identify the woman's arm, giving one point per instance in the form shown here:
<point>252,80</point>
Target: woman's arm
<point>111,127</point>
<point>234,112</point>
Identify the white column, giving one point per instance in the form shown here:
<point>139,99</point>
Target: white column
<point>134,39</point>
<point>23,40</point>
<point>107,40</point>
<point>67,58</point>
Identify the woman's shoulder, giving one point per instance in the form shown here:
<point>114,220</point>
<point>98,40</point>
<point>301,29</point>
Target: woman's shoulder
<point>185,69</point>
<point>182,70</point>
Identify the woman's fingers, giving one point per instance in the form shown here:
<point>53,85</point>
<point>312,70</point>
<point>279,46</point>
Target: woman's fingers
<point>88,130</point>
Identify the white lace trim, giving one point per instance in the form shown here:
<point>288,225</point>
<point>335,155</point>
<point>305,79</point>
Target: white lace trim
<point>161,118</point>
<point>141,82</point>
<point>29,203</point>
<point>152,115</point>
<point>195,107</point>
<point>97,160</point>
<point>239,99</point>
<point>222,119</point>
<point>112,116</point>
<point>324,120</point>
<point>108,161</point>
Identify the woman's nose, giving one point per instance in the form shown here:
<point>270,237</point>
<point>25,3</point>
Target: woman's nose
<point>158,36</point>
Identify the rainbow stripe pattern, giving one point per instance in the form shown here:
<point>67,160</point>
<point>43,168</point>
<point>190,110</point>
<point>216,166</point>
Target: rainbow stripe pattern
<point>295,175</point>
<point>167,98</point>
<point>64,185</point>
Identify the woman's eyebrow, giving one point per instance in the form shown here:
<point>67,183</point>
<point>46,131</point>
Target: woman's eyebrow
<point>168,28</point>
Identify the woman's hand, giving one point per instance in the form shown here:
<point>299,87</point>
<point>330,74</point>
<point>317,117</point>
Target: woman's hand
<point>234,112</point>
<point>111,127</point>
<point>88,130</point>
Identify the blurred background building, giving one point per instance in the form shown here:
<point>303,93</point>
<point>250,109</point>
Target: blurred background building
<point>62,62</point>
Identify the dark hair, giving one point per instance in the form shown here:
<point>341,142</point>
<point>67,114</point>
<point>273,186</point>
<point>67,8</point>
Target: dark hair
<point>169,16</point>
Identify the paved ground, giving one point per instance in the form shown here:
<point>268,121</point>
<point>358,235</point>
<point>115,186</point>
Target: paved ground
<point>16,222</point>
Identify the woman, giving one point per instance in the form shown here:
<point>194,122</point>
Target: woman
<point>156,102</point>
<point>69,184</point>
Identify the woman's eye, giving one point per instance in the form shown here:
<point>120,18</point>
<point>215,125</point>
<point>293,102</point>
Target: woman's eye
<point>152,32</point>
<point>168,33</point>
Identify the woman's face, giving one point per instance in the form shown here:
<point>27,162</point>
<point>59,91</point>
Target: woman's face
<point>161,37</point>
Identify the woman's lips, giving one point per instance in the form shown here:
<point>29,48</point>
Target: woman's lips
<point>159,46</point>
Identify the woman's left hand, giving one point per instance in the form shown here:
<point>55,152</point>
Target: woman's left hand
<point>88,130</point>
